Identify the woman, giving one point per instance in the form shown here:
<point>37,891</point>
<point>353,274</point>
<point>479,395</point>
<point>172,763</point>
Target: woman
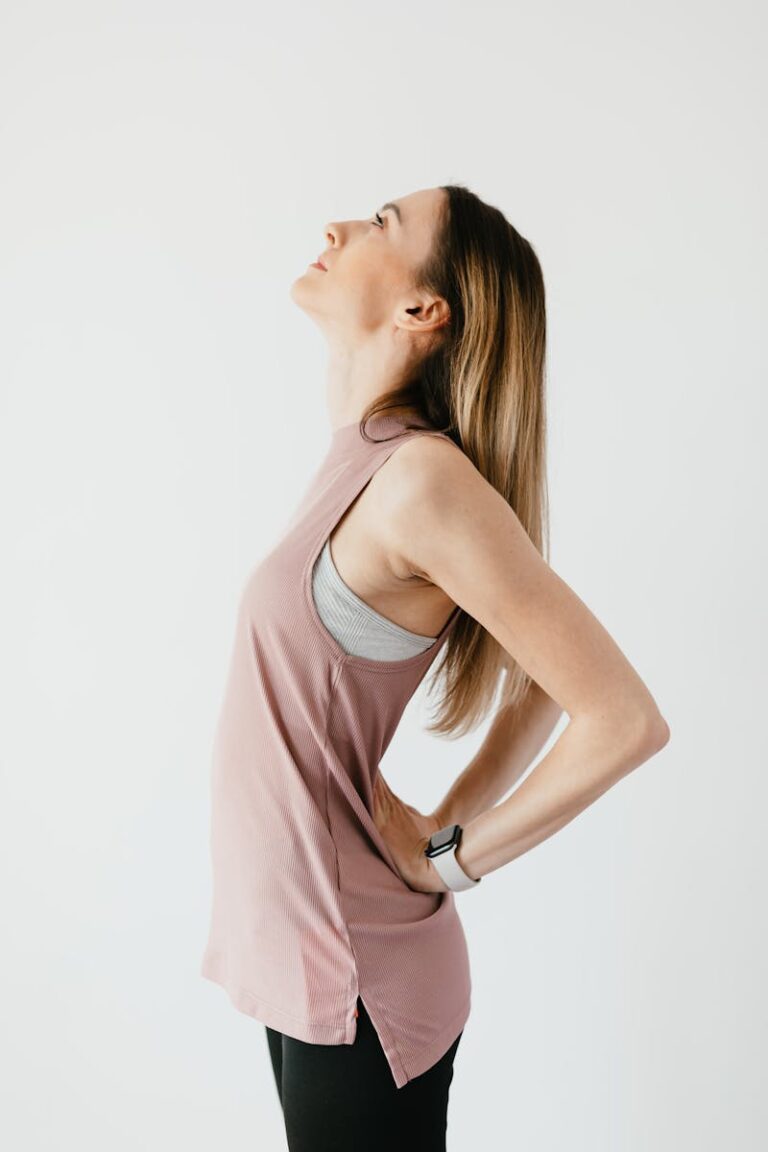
<point>334,920</point>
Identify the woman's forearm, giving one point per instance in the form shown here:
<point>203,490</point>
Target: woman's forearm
<point>513,741</point>
<point>589,756</point>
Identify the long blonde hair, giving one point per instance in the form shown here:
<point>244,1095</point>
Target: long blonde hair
<point>484,384</point>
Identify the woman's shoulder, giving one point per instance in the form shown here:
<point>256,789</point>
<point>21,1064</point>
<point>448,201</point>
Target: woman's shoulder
<point>427,462</point>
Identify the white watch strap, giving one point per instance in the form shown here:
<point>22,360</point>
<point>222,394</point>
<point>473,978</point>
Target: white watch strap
<point>452,872</point>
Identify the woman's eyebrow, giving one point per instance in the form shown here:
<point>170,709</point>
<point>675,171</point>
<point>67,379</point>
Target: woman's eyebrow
<point>394,208</point>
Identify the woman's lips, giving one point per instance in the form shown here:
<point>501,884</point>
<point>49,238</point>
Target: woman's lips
<point>318,264</point>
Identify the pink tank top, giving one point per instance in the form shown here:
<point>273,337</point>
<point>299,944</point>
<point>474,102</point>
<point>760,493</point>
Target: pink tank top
<point>308,908</point>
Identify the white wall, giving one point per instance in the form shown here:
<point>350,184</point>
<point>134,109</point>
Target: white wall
<point>166,172</point>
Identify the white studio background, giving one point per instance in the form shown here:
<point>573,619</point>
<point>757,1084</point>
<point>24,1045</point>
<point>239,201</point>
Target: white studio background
<point>166,172</point>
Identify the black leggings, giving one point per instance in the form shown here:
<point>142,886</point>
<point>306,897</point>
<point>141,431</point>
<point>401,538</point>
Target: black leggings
<point>343,1098</point>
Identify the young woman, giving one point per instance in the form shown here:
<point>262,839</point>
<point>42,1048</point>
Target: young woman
<point>423,532</point>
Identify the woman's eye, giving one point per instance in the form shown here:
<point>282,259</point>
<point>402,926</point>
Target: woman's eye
<point>379,219</point>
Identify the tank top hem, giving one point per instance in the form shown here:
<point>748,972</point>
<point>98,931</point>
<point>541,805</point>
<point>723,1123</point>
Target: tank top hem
<point>439,1046</point>
<point>401,1067</point>
<point>213,968</point>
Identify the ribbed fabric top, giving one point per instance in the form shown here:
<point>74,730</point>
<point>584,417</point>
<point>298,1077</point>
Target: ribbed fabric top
<point>309,910</point>
<point>359,629</point>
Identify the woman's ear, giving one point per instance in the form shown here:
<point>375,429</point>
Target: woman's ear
<point>429,316</point>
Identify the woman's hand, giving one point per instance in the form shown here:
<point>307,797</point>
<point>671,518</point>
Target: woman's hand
<point>406,832</point>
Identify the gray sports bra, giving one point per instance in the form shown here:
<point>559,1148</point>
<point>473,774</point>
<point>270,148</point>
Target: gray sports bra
<point>355,626</point>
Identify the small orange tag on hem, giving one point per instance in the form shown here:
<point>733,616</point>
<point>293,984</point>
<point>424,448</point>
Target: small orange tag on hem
<point>356,1012</point>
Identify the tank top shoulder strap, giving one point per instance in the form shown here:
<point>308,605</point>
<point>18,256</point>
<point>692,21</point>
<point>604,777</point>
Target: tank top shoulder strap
<point>383,429</point>
<point>353,461</point>
<point>359,458</point>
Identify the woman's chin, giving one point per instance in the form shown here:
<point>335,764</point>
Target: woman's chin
<point>297,291</point>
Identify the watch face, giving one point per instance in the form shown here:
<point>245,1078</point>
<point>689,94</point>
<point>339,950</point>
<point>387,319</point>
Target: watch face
<point>444,840</point>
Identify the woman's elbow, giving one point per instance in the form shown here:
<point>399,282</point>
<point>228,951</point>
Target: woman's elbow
<point>652,733</point>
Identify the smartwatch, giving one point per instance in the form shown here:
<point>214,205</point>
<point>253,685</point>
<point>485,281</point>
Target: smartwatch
<point>441,850</point>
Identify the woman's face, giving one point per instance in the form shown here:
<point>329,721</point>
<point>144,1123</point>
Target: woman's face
<point>370,264</point>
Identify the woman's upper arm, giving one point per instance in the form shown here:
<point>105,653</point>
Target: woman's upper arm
<point>449,525</point>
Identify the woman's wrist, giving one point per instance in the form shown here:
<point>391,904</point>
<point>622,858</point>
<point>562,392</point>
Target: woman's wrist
<point>472,793</point>
<point>454,810</point>
<point>444,816</point>
<point>469,852</point>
